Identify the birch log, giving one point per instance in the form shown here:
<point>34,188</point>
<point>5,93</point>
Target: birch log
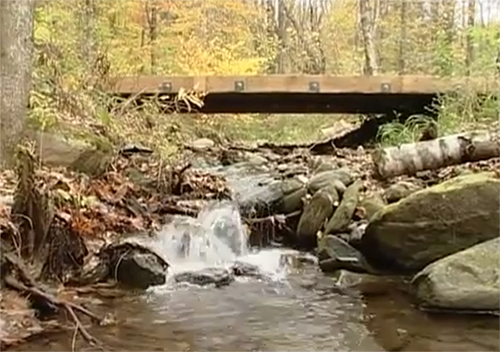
<point>408,159</point>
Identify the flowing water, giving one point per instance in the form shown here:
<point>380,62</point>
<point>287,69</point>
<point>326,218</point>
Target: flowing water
<point>296,309</point>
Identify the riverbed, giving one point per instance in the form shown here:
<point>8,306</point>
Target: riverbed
<point>291,315</point>
<point>295,308</point>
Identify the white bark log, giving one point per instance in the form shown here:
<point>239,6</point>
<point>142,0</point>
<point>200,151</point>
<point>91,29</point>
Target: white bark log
<point>408,159</point>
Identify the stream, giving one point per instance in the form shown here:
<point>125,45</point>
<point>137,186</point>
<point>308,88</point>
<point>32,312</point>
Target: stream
<point>295,308</point>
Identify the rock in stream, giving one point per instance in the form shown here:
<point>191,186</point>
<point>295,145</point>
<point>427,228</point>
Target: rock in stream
<point>433,223</point>
<point>130,263</point>
<point>335,254</point>
<point>467,280</point>
<point>207,276</point>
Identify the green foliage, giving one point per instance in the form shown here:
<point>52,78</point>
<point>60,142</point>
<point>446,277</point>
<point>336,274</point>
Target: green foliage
<point>396,133</point>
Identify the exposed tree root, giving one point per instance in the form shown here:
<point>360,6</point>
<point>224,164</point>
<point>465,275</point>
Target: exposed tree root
<point>34,214</point>
<point>26,285</point>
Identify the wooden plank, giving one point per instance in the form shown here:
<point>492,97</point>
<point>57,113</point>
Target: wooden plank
<point>303,84</point>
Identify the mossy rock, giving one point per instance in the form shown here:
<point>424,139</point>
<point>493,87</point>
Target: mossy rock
<point>343,214</point>
<point>467,280</point>
<point>341,178</point>
<point>434,222</point>
<point>293,201</point>
<point>400,190</point>
<point>291,185</point>
<point>316,212</point>
<point>372,204</point>
<point>93,162</point>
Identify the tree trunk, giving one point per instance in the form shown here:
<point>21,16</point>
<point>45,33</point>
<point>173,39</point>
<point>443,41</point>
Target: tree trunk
<point>402,37</point>
<point>151,9</point>
<point>368,33</point>
<point>88,39</point>
<point>16,36</point>
<point>408,159</point>
<point>471,14</point>
<point>282,36</point>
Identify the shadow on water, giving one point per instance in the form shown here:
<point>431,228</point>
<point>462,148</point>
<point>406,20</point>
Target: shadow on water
<point>296,309</point>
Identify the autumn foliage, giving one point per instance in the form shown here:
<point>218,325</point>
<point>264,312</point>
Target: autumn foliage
<point>81,44</point>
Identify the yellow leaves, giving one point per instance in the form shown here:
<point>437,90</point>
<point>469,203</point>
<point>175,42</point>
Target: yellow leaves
<point>193,37</point>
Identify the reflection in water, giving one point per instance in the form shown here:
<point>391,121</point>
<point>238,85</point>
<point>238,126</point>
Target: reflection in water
<point>298,309</point>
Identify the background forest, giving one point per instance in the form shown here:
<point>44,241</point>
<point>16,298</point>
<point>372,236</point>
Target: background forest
<point>80,44</point>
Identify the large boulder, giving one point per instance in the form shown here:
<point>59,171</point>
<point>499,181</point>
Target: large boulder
<point>467,280</point>
<point>433,223</point>
<point>133,264</point>
<point>57,151</point>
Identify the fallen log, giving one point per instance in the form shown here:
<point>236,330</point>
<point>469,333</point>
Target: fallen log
<point>408,159</point>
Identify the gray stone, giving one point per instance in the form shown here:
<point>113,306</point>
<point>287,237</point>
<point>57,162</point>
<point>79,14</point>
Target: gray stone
<point>293,201</point>
<point>256,159</point>
<point>327,178</point>
<point>134,264</point>
<point>372,204</point>
<point>400,190</point>
<point>335,254</point>
<point>57,151</point>
<point>240,268</point>
<point>256,191</point>
<point>316,212</point>
<point>433,223</point>
<point>467,280</point>
<point>141,270</point>
<point>343,214</point>
<point>290,185</point>
<point>208,276</point>
<point>323,166</point>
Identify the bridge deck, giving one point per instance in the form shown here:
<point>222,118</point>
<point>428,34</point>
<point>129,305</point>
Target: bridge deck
<point>306,93</point>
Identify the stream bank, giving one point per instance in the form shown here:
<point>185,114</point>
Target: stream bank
<point>273,193</point>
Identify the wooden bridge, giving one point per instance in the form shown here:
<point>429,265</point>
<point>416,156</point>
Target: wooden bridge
<point>306,93</point>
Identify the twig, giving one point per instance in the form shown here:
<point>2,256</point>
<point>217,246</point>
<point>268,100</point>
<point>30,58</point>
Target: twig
<point>273,218</point>
<point>69,307</point>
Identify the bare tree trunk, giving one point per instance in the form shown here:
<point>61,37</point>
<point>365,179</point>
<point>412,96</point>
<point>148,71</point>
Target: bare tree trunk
<point>469,55</point>
<point>316,60</point>
<point>367,18</point>
<point>16,36</point>
<point>402,37</point>
<point>408,159</point>
<point>87,9</point>
<point>449,10</point>
<point>282,36</point>
<point>151,9</point>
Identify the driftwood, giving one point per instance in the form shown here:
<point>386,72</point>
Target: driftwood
<point>408,159</point>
